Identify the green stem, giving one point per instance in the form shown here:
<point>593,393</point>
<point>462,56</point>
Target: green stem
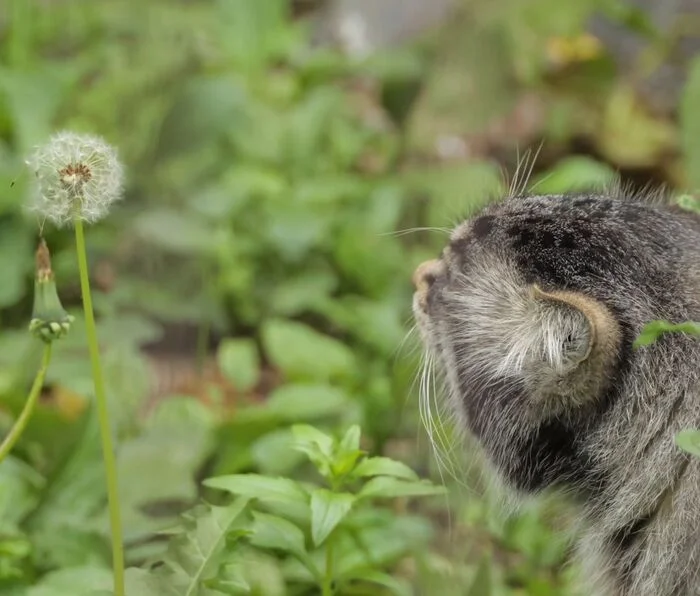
<point>102,414</point>
<point>21,422</point>
<point>328,576</point>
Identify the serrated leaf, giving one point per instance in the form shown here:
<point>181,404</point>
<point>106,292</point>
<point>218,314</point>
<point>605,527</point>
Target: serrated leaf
<point>384,466</point>
<point>689,441</point>
<point>328,509</point>
<point>240,362</point>
<point>196,555</point>
<point>653,330</point>
<point>390,488</point>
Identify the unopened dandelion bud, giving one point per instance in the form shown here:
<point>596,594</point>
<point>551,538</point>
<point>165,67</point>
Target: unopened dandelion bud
<point>49,319</point>
<point>75,176</point>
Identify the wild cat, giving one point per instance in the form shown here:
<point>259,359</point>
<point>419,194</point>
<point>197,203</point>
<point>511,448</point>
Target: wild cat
<point>530,314</point>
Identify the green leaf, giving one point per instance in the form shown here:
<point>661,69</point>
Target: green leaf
<point>653,330</point>
<point>394,585</point>
<point>273,453</point>
<point>240,362</point>
<point>160,464</point>
<point>302,353</point>
<point>304,291</point>
<point>196,552</point>
<point>328,509</point>
<point>388,487</point>
<point>317,446</point>
<point>297,402</point>
<point>384,466</point>
<point>574,174</point>
<point>271,532</point>
<point>689,203</point>
<point>351,440</point>
<point>260,487</point>
<point>689,441</point>
<point>73,581</point>
<point>689,123</point>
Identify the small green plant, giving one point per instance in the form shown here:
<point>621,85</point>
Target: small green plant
<point>335,534</point>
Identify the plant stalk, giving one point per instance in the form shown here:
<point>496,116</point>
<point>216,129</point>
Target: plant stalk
<point>21,422</point>
<point>328,575</point>
<point>102,414</point>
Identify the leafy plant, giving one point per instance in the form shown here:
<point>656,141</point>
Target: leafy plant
<point>335,536</point>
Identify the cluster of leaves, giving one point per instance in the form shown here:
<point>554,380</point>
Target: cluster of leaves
<point>334,536</point>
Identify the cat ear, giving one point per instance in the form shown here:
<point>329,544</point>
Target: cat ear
<point>569,325</point>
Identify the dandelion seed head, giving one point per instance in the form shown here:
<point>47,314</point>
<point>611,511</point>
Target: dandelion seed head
<point>75,176</point>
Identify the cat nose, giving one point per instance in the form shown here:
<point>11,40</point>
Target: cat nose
<point>426,273</point>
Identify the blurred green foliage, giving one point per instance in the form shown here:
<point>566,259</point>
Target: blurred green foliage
<point>269,182</point>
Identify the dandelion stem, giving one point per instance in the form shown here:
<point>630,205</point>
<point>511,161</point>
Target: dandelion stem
<point>102,413</point>
<point>21,422</point>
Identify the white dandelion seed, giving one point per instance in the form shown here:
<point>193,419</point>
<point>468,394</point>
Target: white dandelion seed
<point>76,176</point>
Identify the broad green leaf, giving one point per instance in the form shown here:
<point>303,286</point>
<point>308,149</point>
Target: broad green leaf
<point>351,439</point>
<point>388,487</point>
<point>573,174</point>
<point>263,488</point>
<point>305,354</point>
<point>689,124</point>
<point>384,466</point>
<point>271,532</point>
<point>328,509</point>
<point>240,362</point>
<point>159,466</point>
<point>653,330</point>
<point>73,581</point>
<point>273,453</point>
<point>689,440</point>
<point>316,445</point>
<point>304,291</point>
<point>297,402</point>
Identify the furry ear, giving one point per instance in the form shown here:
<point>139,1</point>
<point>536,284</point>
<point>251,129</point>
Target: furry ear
<point>567,328</point>
<point>577,342</point>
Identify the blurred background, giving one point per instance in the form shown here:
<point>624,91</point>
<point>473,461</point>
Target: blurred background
<point>289,162</point>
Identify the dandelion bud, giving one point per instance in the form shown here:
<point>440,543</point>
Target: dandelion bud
<point>76,176</point>
<point>49,320</point>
